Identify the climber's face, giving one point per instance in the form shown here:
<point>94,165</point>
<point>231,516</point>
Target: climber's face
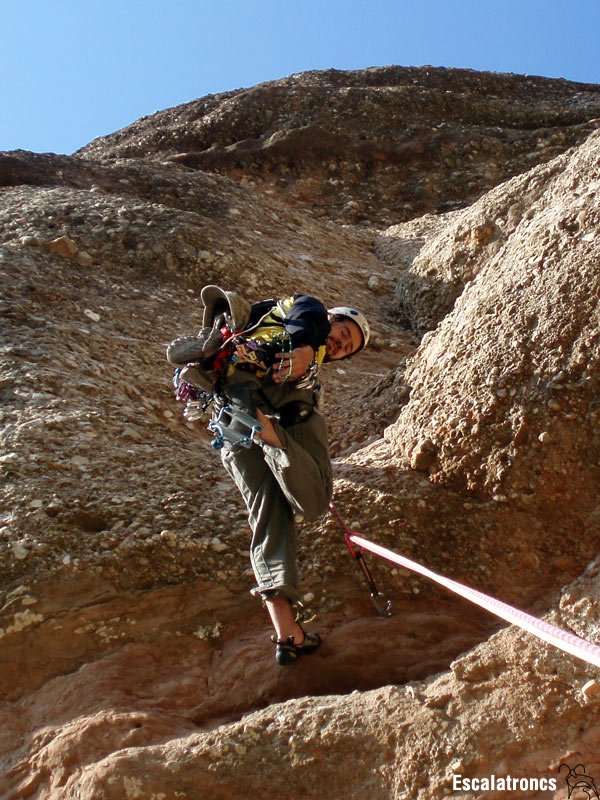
<point>344,339</point>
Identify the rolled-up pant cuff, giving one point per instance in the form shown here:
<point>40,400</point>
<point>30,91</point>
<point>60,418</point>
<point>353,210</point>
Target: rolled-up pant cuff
<point>284,589</point>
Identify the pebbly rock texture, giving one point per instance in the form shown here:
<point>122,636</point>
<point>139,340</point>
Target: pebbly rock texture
<point>381,145</point>
<point>510,707</point>
<point>436,274</point>
<point>133,661</point>
<point>524,423</point>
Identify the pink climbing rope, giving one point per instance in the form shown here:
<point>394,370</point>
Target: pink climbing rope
<point>569,642</point>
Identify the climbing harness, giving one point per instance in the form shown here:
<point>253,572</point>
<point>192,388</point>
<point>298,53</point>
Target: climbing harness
<point>384,607</point>
<point>246,357</point>
<point>226,414</point>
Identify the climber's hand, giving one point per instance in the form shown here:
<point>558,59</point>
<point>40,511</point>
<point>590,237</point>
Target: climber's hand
<point>293,365</point>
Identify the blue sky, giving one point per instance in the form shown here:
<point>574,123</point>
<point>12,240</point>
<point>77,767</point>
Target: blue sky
<point>72,70</point>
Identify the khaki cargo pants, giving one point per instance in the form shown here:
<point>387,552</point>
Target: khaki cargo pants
<point>277,483</point>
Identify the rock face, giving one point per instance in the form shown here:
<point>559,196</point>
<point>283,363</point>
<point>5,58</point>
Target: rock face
<point>504,392</point>
<point>460,211</point>
<point>377,145</point>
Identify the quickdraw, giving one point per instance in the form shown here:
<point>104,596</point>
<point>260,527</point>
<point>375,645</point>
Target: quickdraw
<point>551,634</point>
<point>383,606</point>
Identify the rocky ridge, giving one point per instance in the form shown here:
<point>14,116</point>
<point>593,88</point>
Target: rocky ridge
<point>134,662</point>
<point>377,146</point>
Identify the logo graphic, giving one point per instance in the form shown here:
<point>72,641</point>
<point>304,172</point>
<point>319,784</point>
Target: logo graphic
<point>577,781</point>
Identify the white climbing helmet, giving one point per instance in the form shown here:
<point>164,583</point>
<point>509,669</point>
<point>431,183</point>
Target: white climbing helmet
<point>356,317</point>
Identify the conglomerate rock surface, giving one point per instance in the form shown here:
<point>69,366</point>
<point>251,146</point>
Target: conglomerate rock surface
<point>376,145</point>
<point>134,662</point>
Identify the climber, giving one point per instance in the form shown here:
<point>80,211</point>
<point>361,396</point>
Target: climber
<point>286,475</point>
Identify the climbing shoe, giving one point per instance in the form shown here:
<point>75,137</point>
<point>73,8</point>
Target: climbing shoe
<point>198,378</point>
<point>187,349</point>
<point>234,307</point>
<point>287,653</point>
